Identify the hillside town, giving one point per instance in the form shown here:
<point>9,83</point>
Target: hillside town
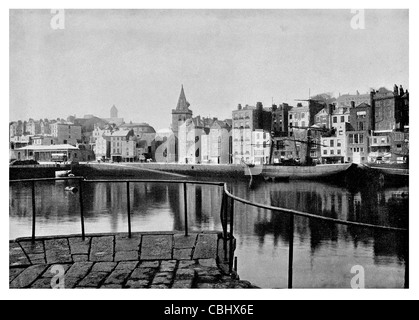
<point>352,128</point>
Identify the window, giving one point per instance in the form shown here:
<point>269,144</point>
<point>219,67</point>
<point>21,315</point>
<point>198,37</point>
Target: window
<point>399,146</point>
<point>398,136</point>
<point>303,115</point>
<point>360,126</point>
<point>65,141</point>
<point>335,119</point>
<point>375,140</point>
<point>356,140</point>
<point>332,152</point>
<point>361,138</point>
<point>339,143</point>
<point>303,124</point>
<point>342,119</point>
<point>332,143</point>
<point>290,116</point>
<point>325,152</point>
<point>339,151</point>
<point>362,149</point>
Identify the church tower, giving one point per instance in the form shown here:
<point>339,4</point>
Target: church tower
<point>181,113</point>
<point>179,117</point>
<point>114,112</point>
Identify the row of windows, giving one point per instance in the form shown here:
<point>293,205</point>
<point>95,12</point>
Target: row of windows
<point>356,138</point>
<point>332,143</point>
<point>332,152</point>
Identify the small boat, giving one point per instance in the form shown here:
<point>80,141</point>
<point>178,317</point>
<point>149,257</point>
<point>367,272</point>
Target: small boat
<point>62,173</point>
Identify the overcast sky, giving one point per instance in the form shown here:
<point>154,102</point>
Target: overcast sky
<point>138,59</point>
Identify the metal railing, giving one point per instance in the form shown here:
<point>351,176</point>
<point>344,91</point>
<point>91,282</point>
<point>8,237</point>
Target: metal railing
<point>226,216</point>
<point>293,213</point>
<point>82,181</point>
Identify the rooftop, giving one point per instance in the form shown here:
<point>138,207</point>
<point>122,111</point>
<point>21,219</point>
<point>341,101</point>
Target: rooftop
<point>51,147</point>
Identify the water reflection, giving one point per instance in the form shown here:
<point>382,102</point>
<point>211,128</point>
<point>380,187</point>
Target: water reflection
<point>324,253</point>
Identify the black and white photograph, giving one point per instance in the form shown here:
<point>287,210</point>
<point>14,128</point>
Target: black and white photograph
<point>230,148</point>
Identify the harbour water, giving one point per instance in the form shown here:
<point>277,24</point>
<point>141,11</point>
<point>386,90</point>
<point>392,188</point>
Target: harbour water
<point>324,254</point>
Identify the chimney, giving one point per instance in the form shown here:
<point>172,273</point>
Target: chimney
<point>239,107</point>
<point>401,90</point>
<point>299,105</point>
<point>352,104</point>
<point>396,90</point>
<point>331,108</point>
<point>259,106</point>
<point>274,107</point>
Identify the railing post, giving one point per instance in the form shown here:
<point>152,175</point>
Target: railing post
<point>81,208</point>
<point>231,234</point>
<point>33,211</point>
<point>185,200</point>
<point>291,251</point>
<point>406,260</point>
<point>223,217</point>
<point>129,210</point>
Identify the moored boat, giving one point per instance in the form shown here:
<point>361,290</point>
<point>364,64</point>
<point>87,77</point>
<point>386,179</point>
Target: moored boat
<point>321,171</point>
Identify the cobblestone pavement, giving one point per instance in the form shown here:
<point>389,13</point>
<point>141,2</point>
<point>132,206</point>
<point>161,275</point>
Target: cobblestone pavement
<point>111,261</point>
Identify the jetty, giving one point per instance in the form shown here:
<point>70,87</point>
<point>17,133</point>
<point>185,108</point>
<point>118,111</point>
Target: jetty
<point>156,260</point>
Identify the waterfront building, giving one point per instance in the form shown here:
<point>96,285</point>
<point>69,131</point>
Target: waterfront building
<point>280,120</point>
<point>45,140</point>
<point>102,147</point>
<point>146,133</point>
<point>245,121</point>
<point>388,141</point>
<point>66,133</point>
<point>357,146</point>
<point>220,141</point>
<point>49,152</point>
<point>261,145</point>
<point>189,140</point>
<point>205,147</point>
<point>123,145</point>
<point>358,136</point>
<point>333,149</point>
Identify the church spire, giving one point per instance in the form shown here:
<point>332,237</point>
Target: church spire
<point>182,104</point>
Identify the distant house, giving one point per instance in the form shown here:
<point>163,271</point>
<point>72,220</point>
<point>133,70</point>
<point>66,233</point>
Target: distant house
<point>123,146</point>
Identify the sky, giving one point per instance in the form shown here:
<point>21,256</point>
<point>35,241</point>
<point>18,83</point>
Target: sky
<point>137,60</point>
